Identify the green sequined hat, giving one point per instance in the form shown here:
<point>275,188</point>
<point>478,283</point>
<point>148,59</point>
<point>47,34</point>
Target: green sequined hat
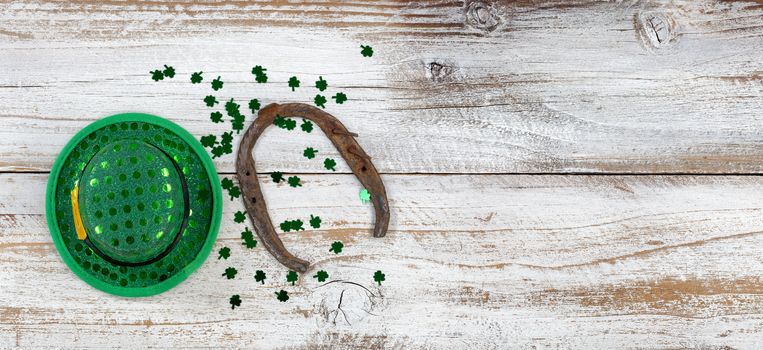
<point>133,204</point>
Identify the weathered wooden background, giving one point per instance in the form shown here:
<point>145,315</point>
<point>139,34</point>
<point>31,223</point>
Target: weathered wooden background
<point>562,174</point>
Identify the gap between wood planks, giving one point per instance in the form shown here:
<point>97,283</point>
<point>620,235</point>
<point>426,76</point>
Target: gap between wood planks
<point>582,173</point>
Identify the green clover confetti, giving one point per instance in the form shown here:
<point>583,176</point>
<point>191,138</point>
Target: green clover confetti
<point>340,97</point>
<point>169,72</point>
<point>365,196</point>
<point>292,277</point>
<point>216,117</point>
<point>315,221</point>
<point>321,276</point>
<point>226,183</point>
<point>239,217</point>
<point>248,237</point>
<point>209,140</point>
<point>320,101</point>
<point>254,105</point>
<point>235,301</point>
<point>379,277</point>
<point>224,253</point>
<point>329,164</point>
<point>259,276</point>
<point>367,51</point>
<point>196,77</point>
<point>279,121</point>
<point>293,83</point>
<point>230,273</point>
<point>336,247</point>
<point>321,84</point>
<point>234,192</point>
<point>277,176</point>
<point>294,181</point>
<point>227,138</point>
<point>157,75</point>
<point>309,153</point>
<point>290,124</point>
<point>259,74</point>
<point>307,126</point>
<point>210,101</point>
<point>282,296</point>
<point>217,84</point>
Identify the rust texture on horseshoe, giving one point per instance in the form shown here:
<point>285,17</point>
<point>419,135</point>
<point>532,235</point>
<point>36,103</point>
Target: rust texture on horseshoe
<point>343,140</point>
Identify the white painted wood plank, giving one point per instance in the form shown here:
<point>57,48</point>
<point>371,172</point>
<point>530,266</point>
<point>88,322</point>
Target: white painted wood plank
<point>623,87</point>
<point>483,261</point>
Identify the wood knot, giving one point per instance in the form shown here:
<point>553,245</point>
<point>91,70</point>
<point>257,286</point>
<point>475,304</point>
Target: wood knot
<point>482,16</point>
<point>439,72</point>
<point>655,30</point>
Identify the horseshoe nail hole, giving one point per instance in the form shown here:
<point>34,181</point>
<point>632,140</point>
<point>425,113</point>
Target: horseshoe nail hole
<point>363,168</point>
<point>254,200</point>
<point>247,173</point>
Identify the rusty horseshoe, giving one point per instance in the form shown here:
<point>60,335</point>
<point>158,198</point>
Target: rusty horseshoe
<point>343,140</point>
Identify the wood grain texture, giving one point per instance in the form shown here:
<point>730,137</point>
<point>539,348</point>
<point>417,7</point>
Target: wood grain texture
<point>454,87</point>
<point>480,261</point>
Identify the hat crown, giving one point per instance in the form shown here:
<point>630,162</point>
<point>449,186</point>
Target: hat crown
<point>131,200</point>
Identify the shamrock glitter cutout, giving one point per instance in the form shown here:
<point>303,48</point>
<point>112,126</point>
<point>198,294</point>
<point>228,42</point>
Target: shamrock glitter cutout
<point>235,301</point>
<point>277,176</point>
<point>321,84</point>
<point>315,221</point>
<point>254,105</point>
<point>306,126</point>
<point>230,273</point>
<point>293,83</point>
<point>340,97</point>
<point>379,277</point>
<point>259,276</point>
<point>157,75</point>
<point>217,84</point>
<point>365,196</point>
<point>309,153</point>
<point>224,253</point>
<point>196,77</point>
<point>321,275</point>
<point>367,51</point>
<point>320,101</point>
<point>292,277</point>
<point>216,117</point>
<point>210,101</point>
<point>329,164</point>
<point>294,181</point>
<point>239,217</point>
<point>336,247</point>
<point>169,72</point>
<point>282,296</point>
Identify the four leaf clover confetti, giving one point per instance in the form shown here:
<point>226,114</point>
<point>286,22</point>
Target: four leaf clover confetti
<point>340,97</point>
<point>307,126</point>
<point>234,192</point>
<point>230,273</point>
<point>309,153</point>
<point>282,296</point>
<point>217,84</point>
<point>239,217</point>
<point>329,164</point>
<point>254,105</point>
<point>259,276</point>
<point>378,277</point>
<point>367,51</point>
<point>259,74</point>
<point>226,183</point>
<point>321,84</point>
<point>320,101</point>
<point>293,83</point>
<point>216,117</point>
<point>235,301</point>
<point>315,221</point>
<point>224,253</point>
<point>292,277</point>
<point>210,101</point>
<point>168,72</point>
<point>290,124</point>
<point>248,237</point>
<point>321,275</point>
<point>365,196</point>
<point>157,75</point>
<point>277,176</point>
<point>196,77</point>
<point>336,247</point>
<point>294,181</point>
